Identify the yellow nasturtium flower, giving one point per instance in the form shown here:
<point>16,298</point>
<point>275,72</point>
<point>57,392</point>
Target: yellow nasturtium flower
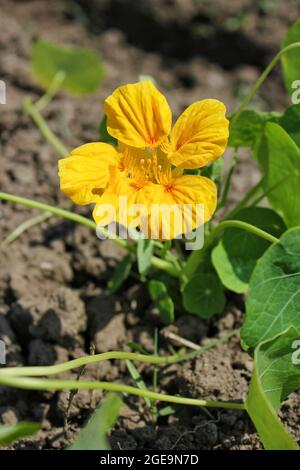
<point>143,178</point>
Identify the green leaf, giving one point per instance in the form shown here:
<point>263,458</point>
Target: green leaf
<point>121,273</point>
<point>138,380</point>
<point>279,158</point>
<point>83,67</point>
<point>290,121</point>
<point>275,376</point>
<point>93,435</point>
<point>144,255</point>
<point>273,302</point>
<point>246,129</point>
<point>235,256</point>
<point>159,295</point>
<point>203,295</point>
<point>291,59</point>
<point>104,135</point>
<point>9,434</point>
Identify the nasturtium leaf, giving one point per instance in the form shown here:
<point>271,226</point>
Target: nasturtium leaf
<point>291,59</point>
<point>245,130</point>
<point>121,273</point>
<point>274,377</point>
<point>203,295</point>
<point>83,68</point>
<point>11,433</point>
<point>94,435</point>
<point>103,134</point>
<point>144,255</point>
<point>159,295</point>
<point>279,158</point>
<point>235,256</point>
<point>290,121</point>
<point>273,303</point>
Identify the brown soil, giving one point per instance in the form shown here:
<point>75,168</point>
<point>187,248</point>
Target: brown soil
<point>52,279</point>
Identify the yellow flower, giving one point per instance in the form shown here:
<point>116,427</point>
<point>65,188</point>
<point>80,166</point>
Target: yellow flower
<point>143,179</point>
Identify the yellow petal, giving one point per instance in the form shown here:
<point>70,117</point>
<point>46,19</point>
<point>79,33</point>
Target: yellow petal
<point>123,201</point>
<point>138,115</point>
<point>85,172</point>
<point>199,135</point>
<point>188,202</point>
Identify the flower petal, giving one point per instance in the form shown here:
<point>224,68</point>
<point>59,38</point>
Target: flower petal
<point>138,115</point>
<point>123,201</point>
<point>199,135</point>
<point>188,202</point>
<point>85,172</point>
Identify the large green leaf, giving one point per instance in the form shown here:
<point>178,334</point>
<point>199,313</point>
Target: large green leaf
<point>93,435</point>
<point>279,158</point>
<point>275,376</point>
<point>82,67</point>
<point>291,59</point>
<point>203,295</point>
<point>9,434</point>
<point>273,302</point>
<point>159,294</point>
<point>235,256</point>
<point>247,128</point>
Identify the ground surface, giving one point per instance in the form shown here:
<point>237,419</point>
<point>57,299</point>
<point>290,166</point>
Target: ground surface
<point>52,279</point>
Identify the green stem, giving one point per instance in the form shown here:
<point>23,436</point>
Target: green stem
<point>51,91</point>
<point>241,225</point>
<point>36,371</point>
<point>262,78</point>
<point>26,225</point>
<point>228,180</point>
<point>33,112</point>
<point>196,257</point>
<point>47,384</point>
<point>155,261</point>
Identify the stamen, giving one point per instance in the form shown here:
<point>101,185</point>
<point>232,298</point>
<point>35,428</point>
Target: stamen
<point>159,167</point>
<point>142,161</point>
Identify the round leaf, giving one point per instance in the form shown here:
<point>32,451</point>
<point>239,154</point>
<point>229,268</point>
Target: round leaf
<point>235,257</point>
<point>273,302</point>
<point>82,67</point>
<point>203,295</point>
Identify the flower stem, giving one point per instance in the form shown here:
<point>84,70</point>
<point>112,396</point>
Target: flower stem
<point>51,91</point>
<point>33,112</point>
<point>155,261</point>
<point>262,78</point>
<point>197,257</point>
<point>52,384</point>
<point>241,225</point>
